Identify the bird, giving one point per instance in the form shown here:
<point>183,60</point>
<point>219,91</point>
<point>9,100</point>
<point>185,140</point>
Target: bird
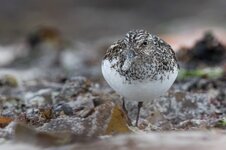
<point>140,67</point>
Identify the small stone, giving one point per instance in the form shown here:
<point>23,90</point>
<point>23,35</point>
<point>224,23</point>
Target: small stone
<point>65,108</point>
<point>46,113</point>
<point>192,124</point>
<point>74,87</point>
<point>85,112</point>
<point>39,98</point>
<point>8,80</point>
<point>82,101</point>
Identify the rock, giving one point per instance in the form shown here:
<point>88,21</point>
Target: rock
<point>43,139</point>
<point>73,87</point>
<point>188,106</point>
<point>106,119</point>
<point>34,100</point>
<point>85,112</point>
<point>39,98</point>
<point>46,113</point>
<point>8,80</point>
<point>63,108</point>
<point>193,124</point>
<point>83,101</point>
<point>208,51</point>
<point>10,106</point>
<point>8,131</point>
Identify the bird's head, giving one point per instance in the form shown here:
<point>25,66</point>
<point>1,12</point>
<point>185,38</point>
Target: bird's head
<point>138,41</point>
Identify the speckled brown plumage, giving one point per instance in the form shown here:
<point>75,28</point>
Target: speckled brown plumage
<point>141,55</point>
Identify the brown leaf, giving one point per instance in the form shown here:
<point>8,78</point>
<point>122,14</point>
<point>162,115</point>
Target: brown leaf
<point>4,121</point>
<point>117,123</point>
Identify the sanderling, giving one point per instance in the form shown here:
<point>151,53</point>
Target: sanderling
<point>140,67</point>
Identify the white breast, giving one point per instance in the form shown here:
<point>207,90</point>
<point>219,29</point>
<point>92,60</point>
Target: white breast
<point>139,91</point>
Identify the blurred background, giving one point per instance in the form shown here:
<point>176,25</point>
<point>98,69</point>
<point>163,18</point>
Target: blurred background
<point>71,37</point>
<point>55,39</point>
<point>89,20</point>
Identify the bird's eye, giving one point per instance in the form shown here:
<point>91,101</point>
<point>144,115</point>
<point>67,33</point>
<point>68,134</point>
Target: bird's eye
<point>145,43</point>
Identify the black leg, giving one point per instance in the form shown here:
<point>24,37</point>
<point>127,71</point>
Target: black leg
<point>140,104</point>
<point>124,106</point>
